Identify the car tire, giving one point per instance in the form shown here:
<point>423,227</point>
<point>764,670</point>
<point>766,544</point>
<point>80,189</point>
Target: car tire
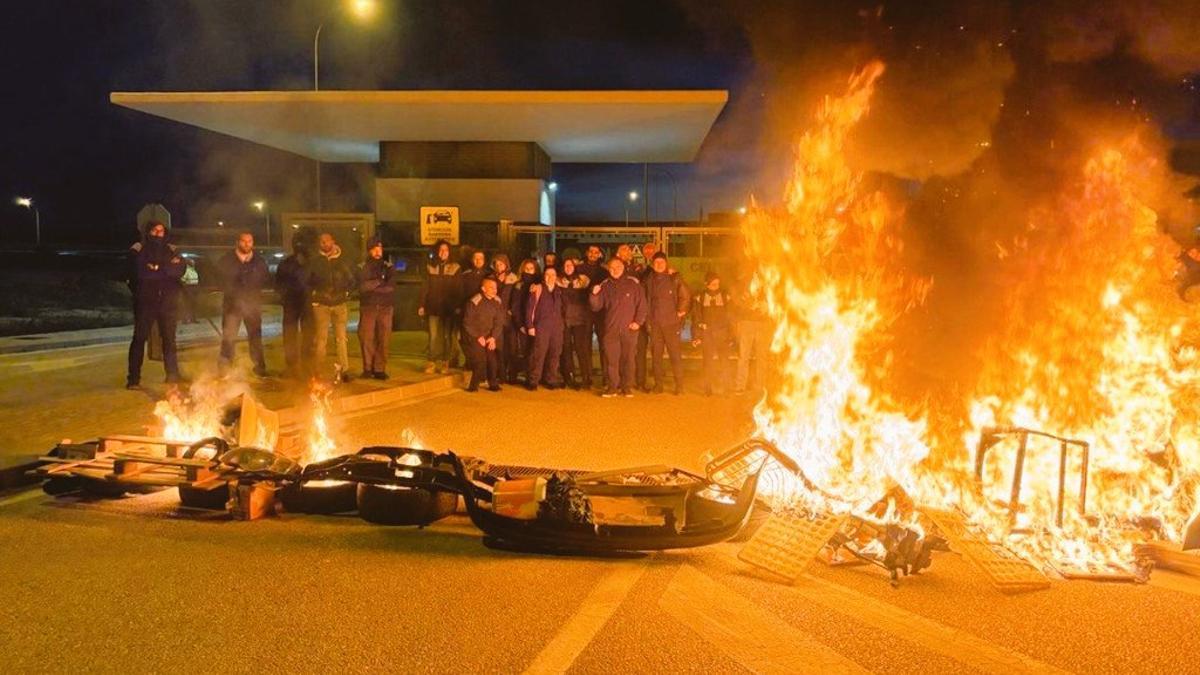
<point>102,489</point>
<point>62,485</point>
<point>395,505</point>
<point>215,499</point>
<point>340,497</point>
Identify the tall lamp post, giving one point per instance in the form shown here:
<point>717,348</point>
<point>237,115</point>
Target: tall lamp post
<point>261,207</point>
<point>633,195</point>
<point>362,10</point>
<point>27,202</point>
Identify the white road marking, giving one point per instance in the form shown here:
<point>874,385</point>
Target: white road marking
<point>594,611</point>
<point>932,635</point>
<point>23,497</point>
<point>748,634</point>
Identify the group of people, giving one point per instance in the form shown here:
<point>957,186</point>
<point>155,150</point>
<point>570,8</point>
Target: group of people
<point>537,322</point>
<point>534,324</point>
<point>315,284</point>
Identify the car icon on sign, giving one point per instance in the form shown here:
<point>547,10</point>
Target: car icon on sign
<point>442,216</point>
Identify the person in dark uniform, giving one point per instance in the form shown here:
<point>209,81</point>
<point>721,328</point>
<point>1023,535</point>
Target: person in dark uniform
<point>577,330</point>
<point>593,268</point>
<point>544,323</point>
<point>291,283</point>
<point>640,271</point>
<point>483,327</point>
<point>623,302</point>
<point>473,276</point>
<point>441,304</point>
<point>242,274</point>
<point>157,269</point>
<point>712,329</point>
<point>506,288</point>
<point>377,300</point>
<point>668,300</point>
<point>528,277</point>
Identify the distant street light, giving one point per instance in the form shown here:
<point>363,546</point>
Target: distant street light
<point>741,210</point>
<point>261,206</point>
<point>552,186</point>
<point>27,202</point>
<point>633,195</point>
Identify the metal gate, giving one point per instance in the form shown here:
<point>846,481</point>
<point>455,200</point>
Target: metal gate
<point>693,250</point>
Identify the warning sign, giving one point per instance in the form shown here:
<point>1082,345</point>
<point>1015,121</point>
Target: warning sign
<point>439,222</point>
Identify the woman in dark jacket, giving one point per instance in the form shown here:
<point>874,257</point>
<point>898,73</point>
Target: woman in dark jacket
<point>544,322</point>
<point>527,277</point>
<point>577,330</point>
<point>506,287</point>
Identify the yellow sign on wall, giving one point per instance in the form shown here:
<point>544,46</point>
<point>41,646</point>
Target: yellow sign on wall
<point>439,222</point>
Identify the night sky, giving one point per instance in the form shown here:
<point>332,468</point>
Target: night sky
<point>90,165</point>
<point>965,80</point>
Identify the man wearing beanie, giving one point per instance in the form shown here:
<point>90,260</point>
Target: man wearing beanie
<point>668,300</point>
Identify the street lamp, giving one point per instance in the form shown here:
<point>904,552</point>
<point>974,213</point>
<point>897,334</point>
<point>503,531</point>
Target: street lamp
<point>552,186</point>
<point>633,195</point>
<point>261,206</point>
<point>363,10</point>
<point>741,210</point>
<point>27,202</point>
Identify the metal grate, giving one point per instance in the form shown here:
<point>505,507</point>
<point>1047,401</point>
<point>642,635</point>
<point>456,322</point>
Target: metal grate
<point>1006,571</point>
<point>786,544</point>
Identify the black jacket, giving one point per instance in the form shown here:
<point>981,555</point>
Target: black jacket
<point>667,297</point>
<point>243,282</point>
<point>596,273</point>
<point>330,278</point>
<point>506,291</point>
<point>575,303</point>
<point>544,310</point>
<point>157,269</point>
<point>471,280</point>
<point>442,291</point>
<point>622,301</point>
<point>711,312</point>
<point>291,281</point>
<point>376,283</point>
<point>483,317</point>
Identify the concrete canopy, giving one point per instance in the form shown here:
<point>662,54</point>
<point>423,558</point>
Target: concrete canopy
<point>347,126</point>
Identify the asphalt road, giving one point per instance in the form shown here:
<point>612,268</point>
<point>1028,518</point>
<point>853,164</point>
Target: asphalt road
<point>134,584</point>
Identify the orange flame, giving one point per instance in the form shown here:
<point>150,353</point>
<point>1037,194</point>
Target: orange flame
<point>825,272</point>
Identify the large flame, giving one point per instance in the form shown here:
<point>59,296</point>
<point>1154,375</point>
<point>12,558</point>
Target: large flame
<point>1092,344</point>
<point>825,271</point>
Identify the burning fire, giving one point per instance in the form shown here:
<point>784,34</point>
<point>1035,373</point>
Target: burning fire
<point>321,445</point>
<point>825,271</point>
<point>1093,344</point>
<point>208,409</point>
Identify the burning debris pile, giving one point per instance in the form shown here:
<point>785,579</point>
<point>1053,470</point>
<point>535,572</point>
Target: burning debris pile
<point>1092,345</point>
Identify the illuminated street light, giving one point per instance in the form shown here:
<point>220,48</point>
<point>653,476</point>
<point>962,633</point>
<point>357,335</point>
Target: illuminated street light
<point>261,207</point>
<point>27,202</point>
<point>552,186</point>
<point>363,10</point>
<point>742,210</point>
<point>633,195</point>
